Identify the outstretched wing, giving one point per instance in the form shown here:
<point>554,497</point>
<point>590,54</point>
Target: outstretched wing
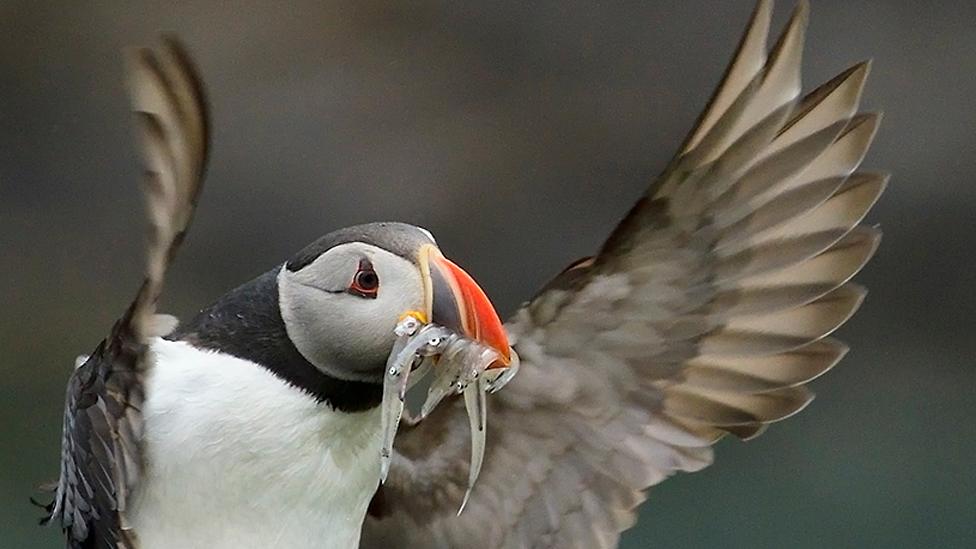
<point>100,453</point>
<point>704,313</point>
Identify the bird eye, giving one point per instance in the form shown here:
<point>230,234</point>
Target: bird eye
<point>365,283</point>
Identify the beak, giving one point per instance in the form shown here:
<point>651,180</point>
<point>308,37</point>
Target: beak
<point>455,301</point>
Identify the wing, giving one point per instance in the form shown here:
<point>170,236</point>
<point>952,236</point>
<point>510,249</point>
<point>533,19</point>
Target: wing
<point>101,460</point>
<point>704,313</point>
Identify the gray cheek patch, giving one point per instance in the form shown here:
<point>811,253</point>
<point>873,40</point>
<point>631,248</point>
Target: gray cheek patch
<point>341,334</point>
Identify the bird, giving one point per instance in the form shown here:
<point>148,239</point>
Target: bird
<point>705,313</point>
<point>274,387</point>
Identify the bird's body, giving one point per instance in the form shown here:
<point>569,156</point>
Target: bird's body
<point>258,462</point>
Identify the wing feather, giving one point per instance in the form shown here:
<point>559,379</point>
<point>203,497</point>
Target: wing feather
<point>705,313</point>
<point>749,59</point>
<point>101,459</point>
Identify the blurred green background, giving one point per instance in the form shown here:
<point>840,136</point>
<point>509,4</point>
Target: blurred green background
<point>518,133</point>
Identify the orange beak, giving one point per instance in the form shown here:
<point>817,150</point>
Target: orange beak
<point>455,301</point>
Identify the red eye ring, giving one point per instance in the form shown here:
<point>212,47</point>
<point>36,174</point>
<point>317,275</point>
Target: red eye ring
<point>365,283</point>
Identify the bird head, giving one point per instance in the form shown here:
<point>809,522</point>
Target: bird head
<point>342,296</point>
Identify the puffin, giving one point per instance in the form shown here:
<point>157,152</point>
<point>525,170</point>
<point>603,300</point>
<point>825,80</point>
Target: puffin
<point>705,313</point>
<point>256,423</point>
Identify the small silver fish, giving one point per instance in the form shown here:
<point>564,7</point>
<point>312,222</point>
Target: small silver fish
<point>460,366</point>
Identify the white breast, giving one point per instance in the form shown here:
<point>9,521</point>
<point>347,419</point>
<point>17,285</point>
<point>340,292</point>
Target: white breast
<point>238,458</point>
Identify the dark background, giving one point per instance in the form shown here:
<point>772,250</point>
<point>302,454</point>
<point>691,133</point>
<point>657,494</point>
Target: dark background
<point>519,134</point>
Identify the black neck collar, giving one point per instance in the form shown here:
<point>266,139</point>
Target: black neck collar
<point>246,323</point>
